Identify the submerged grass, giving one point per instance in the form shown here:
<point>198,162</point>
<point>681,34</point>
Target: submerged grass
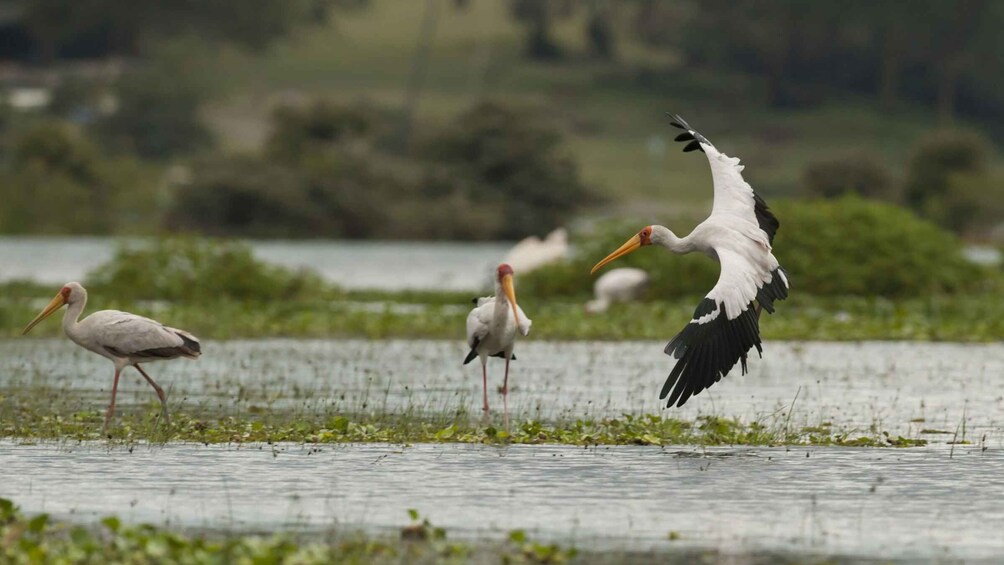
<point>33,422</point>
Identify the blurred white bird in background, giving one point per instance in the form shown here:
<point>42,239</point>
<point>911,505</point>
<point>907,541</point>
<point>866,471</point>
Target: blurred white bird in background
<point>126,339</point>
<point>532,253</point>
<point>618,285</point>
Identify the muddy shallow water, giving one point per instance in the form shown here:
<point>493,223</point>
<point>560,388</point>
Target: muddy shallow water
<point>901,388</point>
<point>931,502</point>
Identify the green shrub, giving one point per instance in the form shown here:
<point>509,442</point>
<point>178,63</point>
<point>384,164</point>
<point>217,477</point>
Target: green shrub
<point>297,131</point>
<point>973,204</point>
<point>158,105</point>
<point>854,246</point>
<point>507,162</point>
<point>242,196</point>
<point>198,270</point>
<point>853,173</point>
<point>57,181</point>
<point>847,246</point>
<point>494,174</point>
<point>936,160</point>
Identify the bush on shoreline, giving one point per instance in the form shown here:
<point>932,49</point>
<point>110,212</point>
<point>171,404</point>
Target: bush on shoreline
<point>190,270</point>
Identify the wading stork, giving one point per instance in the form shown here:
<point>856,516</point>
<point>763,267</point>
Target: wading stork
<point>738,234</point>
<point>491,331</point>
<point>126,339</point>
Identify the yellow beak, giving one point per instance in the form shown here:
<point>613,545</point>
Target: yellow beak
<point>510,293</point>
<point>629,246</point>
<point>54,305</point>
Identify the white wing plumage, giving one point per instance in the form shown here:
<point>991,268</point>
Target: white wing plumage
<point>127,334</point>
<point>479,320</point>
<point>737,283</point>
<point>733,195</point>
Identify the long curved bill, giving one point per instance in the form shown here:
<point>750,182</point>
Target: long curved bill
<point>54,305</point>
<point>510,293</point>
<point>629,246</point>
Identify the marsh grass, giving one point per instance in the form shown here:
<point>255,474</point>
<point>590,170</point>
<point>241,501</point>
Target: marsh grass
<point>23,419</point>
<point>376,315</point>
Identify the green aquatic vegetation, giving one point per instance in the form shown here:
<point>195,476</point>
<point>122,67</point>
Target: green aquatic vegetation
<point>382,315</point>
<point>263,426</point>
<point>41,540</point>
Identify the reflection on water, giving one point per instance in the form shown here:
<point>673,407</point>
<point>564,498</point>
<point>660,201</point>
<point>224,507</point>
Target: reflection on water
<point>874,502</point>
<point>901,387</point>
<point>379,265</point>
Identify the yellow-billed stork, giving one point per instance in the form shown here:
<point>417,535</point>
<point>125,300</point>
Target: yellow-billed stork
<point>491,331</point>
<point>738,234</point>
<point>126,339</point>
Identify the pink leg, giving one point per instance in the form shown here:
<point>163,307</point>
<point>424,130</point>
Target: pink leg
<point>111,407</point>
<point>505,394</point>
<point>484,387</point>
<point>160,393</point>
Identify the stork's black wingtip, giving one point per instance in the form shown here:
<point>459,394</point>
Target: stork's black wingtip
<point>691,135</point>
<point>675,121</point>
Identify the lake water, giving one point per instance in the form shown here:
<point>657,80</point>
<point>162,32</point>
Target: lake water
<point>907,504</point>
<point>940,502</point>
<point>379,265</point>
<point>899,387</point>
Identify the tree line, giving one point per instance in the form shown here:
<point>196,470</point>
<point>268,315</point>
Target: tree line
<point>944,54</point>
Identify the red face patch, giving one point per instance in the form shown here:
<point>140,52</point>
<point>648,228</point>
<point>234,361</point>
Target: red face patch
<point>645,235</point>
<point>504,269</point>
<point>65,291</point>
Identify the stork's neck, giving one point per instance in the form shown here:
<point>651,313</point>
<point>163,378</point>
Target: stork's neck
<point>502,307</point>
<point>501,300</point>
<point>73,312</point>
<point>664,237</point>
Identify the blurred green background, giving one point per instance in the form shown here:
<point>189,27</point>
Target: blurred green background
<point>433,119</point>
<point>871,128</point>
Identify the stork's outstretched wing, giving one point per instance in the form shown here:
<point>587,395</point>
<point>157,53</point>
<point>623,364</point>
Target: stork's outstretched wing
<point>724,328</point>
<point>733,195</point>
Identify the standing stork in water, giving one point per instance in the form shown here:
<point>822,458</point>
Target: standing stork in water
<point>126,339</point>
<point>738,234</point>
<point>491,331</point>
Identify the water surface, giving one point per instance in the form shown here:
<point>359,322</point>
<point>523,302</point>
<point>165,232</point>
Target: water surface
<point>902,504</point>
<point>351,264</point>
<point>899,387</point>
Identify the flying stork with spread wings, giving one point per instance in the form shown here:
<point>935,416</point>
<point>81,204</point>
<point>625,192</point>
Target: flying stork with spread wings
<point>738,234</point>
